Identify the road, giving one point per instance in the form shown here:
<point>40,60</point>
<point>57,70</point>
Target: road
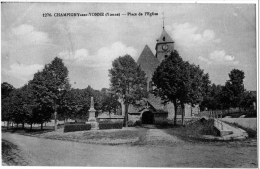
<point>47,152</point>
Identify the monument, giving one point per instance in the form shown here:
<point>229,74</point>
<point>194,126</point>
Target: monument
<point>91,117</point>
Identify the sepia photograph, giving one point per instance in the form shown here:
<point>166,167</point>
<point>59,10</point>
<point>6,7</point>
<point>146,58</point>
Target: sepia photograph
<point>129,84</point>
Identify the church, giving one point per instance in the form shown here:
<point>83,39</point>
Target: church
<point>153,111</point>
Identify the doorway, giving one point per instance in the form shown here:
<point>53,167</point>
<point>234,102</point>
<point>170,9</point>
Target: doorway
<point>147,118</point>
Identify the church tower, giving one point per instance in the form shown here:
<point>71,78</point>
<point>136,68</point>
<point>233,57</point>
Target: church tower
<point>164,46</point>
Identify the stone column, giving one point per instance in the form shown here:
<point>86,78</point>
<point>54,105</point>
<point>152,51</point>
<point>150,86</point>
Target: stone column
<point>92,111</point>
<point>92,119</point>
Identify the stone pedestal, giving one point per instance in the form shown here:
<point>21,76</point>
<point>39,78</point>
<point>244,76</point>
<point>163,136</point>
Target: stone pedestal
<point>92,118</point>
<point>92,115</point>
<point>94,125</point>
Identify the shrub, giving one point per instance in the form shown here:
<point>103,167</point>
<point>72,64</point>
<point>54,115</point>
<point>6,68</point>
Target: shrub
<point>138,123</point>
<point>110,125</point>
<point>209,128</point>
<point>75,123</point>
<point>131,124</point>
<point>76,127</point>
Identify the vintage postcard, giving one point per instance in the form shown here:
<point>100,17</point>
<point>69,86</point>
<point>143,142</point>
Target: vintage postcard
<point>116,84</point>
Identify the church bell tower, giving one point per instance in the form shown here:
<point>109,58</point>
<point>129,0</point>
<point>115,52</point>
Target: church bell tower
<point>164,46</point>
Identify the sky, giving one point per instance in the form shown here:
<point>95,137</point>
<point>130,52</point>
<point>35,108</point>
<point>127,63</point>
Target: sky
<point>217,37</point>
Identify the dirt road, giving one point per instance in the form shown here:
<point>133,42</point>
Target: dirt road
<point>47,152</point>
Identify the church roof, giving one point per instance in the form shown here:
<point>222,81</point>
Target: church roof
<point>165,38</point>
<point>156,102</point>
<point>148,61</point>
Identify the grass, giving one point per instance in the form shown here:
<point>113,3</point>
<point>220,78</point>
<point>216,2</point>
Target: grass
<point>195,131</point>
<point>10,154</point>
<point>112,136</point>
<point>251,133</point>
<point>248,114</point>
<point>28,132</point>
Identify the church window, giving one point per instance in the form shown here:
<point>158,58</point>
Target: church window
<point>165,56</point>
<point>163,38</point>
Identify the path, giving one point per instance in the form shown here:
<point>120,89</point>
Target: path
<point>47,152</point>
<point>158,136</point>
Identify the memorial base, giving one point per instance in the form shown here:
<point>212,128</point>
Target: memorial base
<point>94,125</point>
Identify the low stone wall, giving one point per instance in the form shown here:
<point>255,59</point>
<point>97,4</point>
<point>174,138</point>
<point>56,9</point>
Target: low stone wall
<point>245,122</point>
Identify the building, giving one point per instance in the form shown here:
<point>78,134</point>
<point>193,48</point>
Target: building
<point>152,110</point>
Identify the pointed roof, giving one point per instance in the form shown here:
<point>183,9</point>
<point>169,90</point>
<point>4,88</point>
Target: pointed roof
<point>165,38</point>
<point>148,61</point>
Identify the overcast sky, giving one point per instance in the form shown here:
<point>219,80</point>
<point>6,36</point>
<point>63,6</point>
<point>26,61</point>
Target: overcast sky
<point>217,37</point>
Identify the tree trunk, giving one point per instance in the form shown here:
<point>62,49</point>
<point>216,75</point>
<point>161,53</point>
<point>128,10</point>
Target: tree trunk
<point>175,113</point>
<point>23,125</point>
<point>7,124</point>
<point>16,125</point>
<point>126,115</point>
<point>41,125</point>
<point>182,114</point>
<point>12,124</point>
<point>31,126</point>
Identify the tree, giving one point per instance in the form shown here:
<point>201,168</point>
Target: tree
<point>226,96</point>
<point>196,87</point>
<point>212,99</point>
<point>128,81</point>
<point>6,89</point>
<point>46,86</point>
<point>247,100</point>
<point>236,86</point>
<point>109,102</point>
<point>179,82</point>
<point>170,79</point>
<point>6,110</point>
<point>17,110</point>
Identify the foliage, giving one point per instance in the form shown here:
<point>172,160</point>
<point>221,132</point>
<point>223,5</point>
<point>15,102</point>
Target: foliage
<point>6,105</point>
<point>76,127</point>
<point>179,82</point>
<point>45,86</point>
<point>109,102</point>
<point>209,128</point>
<point>78,102</point>
<point>17,111</point>
<point>233,90</point>
<point>247,100</point>
<point>212,101</point>
<point>6,89</point>
<point>110,125</point>
<point>127,80</point>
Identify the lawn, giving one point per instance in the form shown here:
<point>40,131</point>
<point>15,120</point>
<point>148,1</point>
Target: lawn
<point>194,131</point>
<point>111,136</point>
<point>10,154</point>
<point>248,114</point>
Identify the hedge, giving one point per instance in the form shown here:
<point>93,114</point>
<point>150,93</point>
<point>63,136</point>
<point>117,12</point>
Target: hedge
<point>133,124</point>
<point>110,125</point>
<point>76,127</point>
